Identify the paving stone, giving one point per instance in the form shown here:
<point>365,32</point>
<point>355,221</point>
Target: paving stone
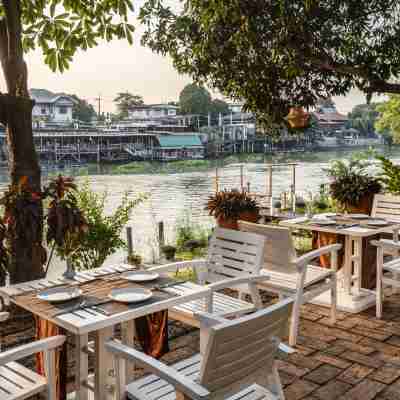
<point>355,374</point>
<point>332,360</point>
<point>286,379</point>
<point>358,348</point>
<point>344,324</point>
<point>384,348</point>
<point>327,333</point>
<point>305,362</point>
<point>374,334</point>
<point>332,390</point>
<point>310,316</point>
<point>299,389</point>
<point>312,343</point>
<point>325,311</point>
<point>368,361</point>
<point>365,390</point>
<point>386,374</point>
<point>323,374</point>
<point>392,392</point>
<point>367,322</point>
<point>335,349</point>
<point>394,340</point>
<point>291,369</point>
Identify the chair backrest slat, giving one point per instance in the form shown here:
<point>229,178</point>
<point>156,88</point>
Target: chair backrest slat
<point>234,253</point>
<point>239,349</point>
<point>386,206</point>
<point>279,251</point>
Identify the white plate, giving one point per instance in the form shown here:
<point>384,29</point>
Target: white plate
<point>377,222</point>
<point>358,216</point>
<point>60,294</point>
<point>323,222</point>
<point>130,295</point>
<point>140,276</point>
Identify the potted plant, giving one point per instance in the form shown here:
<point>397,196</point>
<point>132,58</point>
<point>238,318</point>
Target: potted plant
<point>169,252</point>
<point>230,206</point>
<point>352,186</point>
<point>134,259</point>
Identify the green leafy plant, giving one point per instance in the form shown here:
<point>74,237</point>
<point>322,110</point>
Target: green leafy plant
<point>103,236</point>
<point>231,204</point>
<point>351,181</point>
<point>390,175</point>
<point>134,259</point>
<point>169,251</point>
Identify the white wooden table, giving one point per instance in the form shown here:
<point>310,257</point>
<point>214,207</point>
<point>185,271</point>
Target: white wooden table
<point>351,296</point>
<point>82,322</point>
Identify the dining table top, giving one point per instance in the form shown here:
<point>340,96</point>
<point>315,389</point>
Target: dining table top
<point>94,309</point>
<point>343,224</point>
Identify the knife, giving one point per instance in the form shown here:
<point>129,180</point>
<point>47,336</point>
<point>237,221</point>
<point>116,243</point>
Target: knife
<point>82,306</point>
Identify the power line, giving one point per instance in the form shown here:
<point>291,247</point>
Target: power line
<point>99,100</point>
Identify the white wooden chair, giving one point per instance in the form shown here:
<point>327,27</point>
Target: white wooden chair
<point>292,276</point>
<point>386,206</point>
<point>18,382</point>
<point>237,361</point>
<point>234,260</point>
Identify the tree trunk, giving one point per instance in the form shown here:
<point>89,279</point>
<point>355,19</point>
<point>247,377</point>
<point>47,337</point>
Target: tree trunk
<point>16,114</point>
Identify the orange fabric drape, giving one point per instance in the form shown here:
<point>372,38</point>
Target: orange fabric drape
<point>152,333</point>
<point>45,329</point>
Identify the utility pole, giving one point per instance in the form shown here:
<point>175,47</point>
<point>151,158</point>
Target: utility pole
<point>98,99</point>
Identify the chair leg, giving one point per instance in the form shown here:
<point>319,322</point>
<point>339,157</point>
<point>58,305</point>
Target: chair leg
<point>294,324</point>
<point>333,298</point>
<point>379,283</point>
<point>274,384</point>
<point>50,369</point>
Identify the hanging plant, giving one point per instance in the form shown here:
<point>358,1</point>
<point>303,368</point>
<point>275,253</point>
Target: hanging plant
<point>65,221</point>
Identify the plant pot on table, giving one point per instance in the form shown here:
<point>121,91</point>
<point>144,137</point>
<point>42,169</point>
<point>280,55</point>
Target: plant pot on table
<point>232,223</point>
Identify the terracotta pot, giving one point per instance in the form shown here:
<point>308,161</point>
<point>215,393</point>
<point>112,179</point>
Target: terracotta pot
<point>364,206</point>
<point>298,118</point>
<point>248,216</point>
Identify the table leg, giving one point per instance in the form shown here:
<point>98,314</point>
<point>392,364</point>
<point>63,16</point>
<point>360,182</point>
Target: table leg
<point>358,248</point>
<point>348,263</point>
<point>81,367</point>
<point>104,364</point>
<point>128,338</point>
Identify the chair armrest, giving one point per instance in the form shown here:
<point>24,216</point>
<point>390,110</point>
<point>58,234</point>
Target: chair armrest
<point>207,320</point>
<point>169,374</point>
<point>31,348</point>
<point>237,281</point>
<point>306,258</point>
<point>178,265</point>
<point>386,244</point>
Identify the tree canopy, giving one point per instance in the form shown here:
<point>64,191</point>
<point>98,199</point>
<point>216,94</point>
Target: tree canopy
<point>363,118</point>
<point>195,99</point>
<point>125,101</point>
<point>388,122</point>
<point>277,54</point>
<point>82,110</point>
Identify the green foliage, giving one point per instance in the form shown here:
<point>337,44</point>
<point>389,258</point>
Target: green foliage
<point>60,28</point>
<point>195,99</point>
<point>103,236</point>
<point>82,110</point>
<point>388,122</point>
<point>390,176</point>
<point>363,118</point>
<point>125,102</point>
<point>230,204</point>
<point>187,231</point>
<point>351,181</point>
<point>279,54</point>
<point>219,107</point>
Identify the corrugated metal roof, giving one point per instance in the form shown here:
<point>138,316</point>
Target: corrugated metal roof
<point>179,141</point>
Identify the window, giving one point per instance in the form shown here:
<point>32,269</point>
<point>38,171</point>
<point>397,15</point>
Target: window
<point>43,111</point>
<point>63,110</point>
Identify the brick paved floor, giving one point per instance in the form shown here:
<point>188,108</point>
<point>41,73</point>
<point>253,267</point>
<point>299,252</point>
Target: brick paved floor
<point>358,358</point>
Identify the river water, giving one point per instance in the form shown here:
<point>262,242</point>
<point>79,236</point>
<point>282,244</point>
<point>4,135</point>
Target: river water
<point>176,197</point>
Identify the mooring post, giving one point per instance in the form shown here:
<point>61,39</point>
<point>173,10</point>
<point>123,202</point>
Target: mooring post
<point>129,240</point>
<point>241,177</point>
<point>161,236</point>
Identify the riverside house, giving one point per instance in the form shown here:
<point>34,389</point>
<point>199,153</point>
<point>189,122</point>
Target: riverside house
<point>179,147</point>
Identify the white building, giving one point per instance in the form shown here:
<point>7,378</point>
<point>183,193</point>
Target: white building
<point>153,111</point>
<point>51,107</point>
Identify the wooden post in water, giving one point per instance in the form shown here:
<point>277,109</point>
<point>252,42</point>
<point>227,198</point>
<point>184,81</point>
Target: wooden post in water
<point>216,180</point>
<point>241,177</point>
<point>161,235</point>
<point>129,240</point>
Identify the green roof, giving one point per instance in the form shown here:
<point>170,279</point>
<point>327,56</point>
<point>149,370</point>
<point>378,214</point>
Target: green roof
<point>176,141</point>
